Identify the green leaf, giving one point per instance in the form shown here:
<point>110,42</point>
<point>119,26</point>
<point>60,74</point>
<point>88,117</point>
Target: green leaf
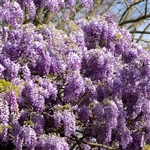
<point>9,127</point>
<point>103,42</point>
<point>49,76</point>
<point>5,86</point>
<point>106,102</point>
<point>2,127</point>
<point>29,122</point>
<point>98,47</point>
<point>147,147</point>
<point>67,106</point>
<point>64,107</point>
<point>118,36</point>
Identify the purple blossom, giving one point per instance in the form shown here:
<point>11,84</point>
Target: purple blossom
<point>4,119</point>
<point>33,96</point>
<point>75,87</point>
<point>84,114</point>
<point>73,61</point>
<point>43,64</point>
<point>51,5</point>
<point>12,14</point>
<point>48,89</point>
<point>57,118</point>
<point>29,137</point>
<point>98,64</point>
<point>38,121</point>
<point>58,65</point>
<point>12,69</point>
<point>1,69</point>
<point>121,117</point>
<point>31,8</point>
<point>70,4</point>
<point>98,110</point>
<point>52,142</point>
<point>111,114</point>
<point>26,72</point>
<point>69,123</point>
<point>138,141</point>
<point>12,101</point>
<point>126,139</point>
<point>17,141</point>
<point>4,110</point>
<point>117,85</point>
<point>88,3</point>
<point>68,119</point>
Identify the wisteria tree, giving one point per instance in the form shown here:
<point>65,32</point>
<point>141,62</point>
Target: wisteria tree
<point>85,86</point>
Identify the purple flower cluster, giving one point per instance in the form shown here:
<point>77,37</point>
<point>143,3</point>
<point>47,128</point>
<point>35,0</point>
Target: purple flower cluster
<point>25,135</point>
<point>52,142</point>
<point>67,118</point>
<point>70,89</point>
<point>14,12</point>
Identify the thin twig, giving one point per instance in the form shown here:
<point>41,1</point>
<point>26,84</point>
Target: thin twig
<point>135,20</point>
<point>82,98</point>
<point>131,121</point>
<point>48,17</point>
<point>146,7</point>
<point>143,33</point>
<point>140,32</point>
<point>99,145</point>
<point>128,9</point>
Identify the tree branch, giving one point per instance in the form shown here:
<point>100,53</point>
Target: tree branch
<point>143,33</point>
<point>99,145</point>
<point>79,141</point>
<point>134,3</point>
<point>134,20</point>
<point>146,7</point>
<point>129,12</point>
<point>48,17</point>
<point>108,7</point>
<point>82,98</point>
<point>140,32</point>
<point>131,121</point>
<point>97,6</point>
<point>38,18</point>
<point>141,40</point>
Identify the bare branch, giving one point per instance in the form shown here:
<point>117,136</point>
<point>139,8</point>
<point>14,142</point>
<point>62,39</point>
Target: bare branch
<point>143,33</point>
<point>38,18</point>
<point>134,3</point>
<point>48,17</point>
<point>97,6</point>
<point>140,32</point>
<point>82,98</point>
<point>130,11</point>
<point>129,121</point>
<point>79,141</point>
<point>146,7</point>
<point>99,145</point>
<point>77,8</point>
<point>108,7</point>
<point>135,20</point>
<point>142,40</point>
